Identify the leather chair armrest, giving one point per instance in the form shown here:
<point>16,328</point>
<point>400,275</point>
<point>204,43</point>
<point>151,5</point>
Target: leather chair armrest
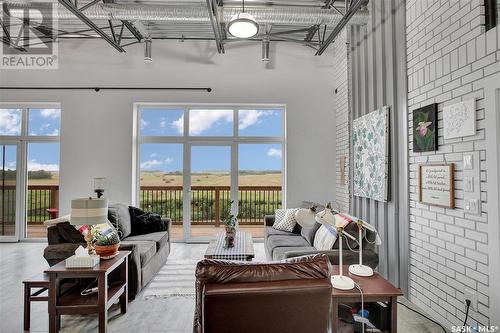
<point>370,257</point>
<point>269,220</point>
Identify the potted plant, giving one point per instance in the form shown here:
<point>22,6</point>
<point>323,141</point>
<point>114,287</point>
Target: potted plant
<point>106,246</point>
<point>229,220</point>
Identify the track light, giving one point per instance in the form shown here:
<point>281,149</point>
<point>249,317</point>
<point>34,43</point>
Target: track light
<point>147,50</point>
<point>265,49</point>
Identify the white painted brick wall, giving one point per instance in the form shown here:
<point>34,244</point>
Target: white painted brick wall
<point>341,59</point>
<point>447,52</point>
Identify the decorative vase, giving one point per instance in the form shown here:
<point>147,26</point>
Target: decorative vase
<point>107,251</point>
<point>230,236</point>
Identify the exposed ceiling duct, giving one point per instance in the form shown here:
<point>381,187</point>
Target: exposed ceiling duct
<point>198,14</point>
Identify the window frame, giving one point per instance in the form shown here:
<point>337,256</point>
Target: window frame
<point>491,14</point>
<point>22,141</point>
<point>188,141</point>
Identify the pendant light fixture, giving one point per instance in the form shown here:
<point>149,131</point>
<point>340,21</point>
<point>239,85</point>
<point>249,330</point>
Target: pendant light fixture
<point>243,25</point>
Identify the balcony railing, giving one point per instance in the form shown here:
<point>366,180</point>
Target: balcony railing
<point>209,204</point>
<point>40,198</point>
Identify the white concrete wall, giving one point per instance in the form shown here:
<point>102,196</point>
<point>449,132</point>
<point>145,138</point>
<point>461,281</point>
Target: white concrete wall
<point>96,133</point>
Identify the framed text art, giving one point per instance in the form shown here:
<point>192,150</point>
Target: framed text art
<point>436,185</point>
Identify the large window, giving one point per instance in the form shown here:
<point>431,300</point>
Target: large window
<point>29,146</point>
<point>194,160</point>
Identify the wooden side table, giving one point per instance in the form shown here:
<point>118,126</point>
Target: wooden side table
<point>72,302</point>
<point>375,289</point>
<point>41,283</point>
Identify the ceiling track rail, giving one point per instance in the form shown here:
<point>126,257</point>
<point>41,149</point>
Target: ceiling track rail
<point>351,8</point>
<point>97,89</point>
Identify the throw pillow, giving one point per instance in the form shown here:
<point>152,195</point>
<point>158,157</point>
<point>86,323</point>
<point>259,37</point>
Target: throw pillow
<point>145,222</point>
<point>49,223</point>
<point>119,216</point>
<point>285,219</point>
<point>325,238</point>
<point>349,228</point>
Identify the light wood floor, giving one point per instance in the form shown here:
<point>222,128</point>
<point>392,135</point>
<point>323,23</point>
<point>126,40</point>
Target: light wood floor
<point>19,261</point>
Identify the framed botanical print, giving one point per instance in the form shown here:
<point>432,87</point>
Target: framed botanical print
<point>425,128</point>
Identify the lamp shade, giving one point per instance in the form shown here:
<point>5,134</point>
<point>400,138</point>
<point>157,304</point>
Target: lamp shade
<point>243,25</point>
<point>89,211</point>
<point>305,217</point>
<point>326,217</point>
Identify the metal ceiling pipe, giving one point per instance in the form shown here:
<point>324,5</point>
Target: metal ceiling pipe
<point>198,14</point>
<point>265,49</point>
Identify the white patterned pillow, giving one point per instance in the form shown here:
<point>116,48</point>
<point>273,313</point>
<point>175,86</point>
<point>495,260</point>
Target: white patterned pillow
<point>284,219</point>
<point>325,238</point>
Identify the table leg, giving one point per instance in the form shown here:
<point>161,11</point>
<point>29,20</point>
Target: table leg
<point>27,306</point>
<point>102,285</point>
<point>52,303</point>
<point>394,315</point>
<point>335,315</point>
<point>124,278</point>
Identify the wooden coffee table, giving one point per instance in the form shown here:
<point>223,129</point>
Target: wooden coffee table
<point>71,302</point>
<point>242,250</point>
<point>375,289</point>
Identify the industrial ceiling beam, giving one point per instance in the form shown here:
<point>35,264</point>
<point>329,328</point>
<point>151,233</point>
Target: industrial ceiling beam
<point>214,20</point>
<point>138,34</point>
<point>353,8</point>
<point>72,8</point>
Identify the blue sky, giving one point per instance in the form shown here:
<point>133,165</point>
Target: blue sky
<point>168,157</point>
<point>42,122</point>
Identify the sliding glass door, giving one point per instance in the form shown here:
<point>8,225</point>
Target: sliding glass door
<point>194,160</point>
<point>210,190</point>
<point>9,192</point>
<point>29,163</point>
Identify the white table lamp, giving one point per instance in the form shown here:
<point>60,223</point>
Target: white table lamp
<point>339,281</point>
<point>306,217</point>
<point>89,211</point>
<point>360,269</point>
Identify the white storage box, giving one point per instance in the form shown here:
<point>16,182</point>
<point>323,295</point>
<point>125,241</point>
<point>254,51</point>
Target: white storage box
<point>82,261</point>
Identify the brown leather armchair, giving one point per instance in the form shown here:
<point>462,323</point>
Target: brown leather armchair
<point>293,295</point>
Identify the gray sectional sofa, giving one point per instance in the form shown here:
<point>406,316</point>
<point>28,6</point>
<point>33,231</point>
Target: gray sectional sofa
<point>281,245</point>
<point>149,251</point>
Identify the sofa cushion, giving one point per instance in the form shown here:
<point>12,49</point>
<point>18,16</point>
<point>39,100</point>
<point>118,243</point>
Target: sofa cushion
<point>119,217</point>
<point>284,241</point>
<point>147,249</point>
<point>160,238</point>
<point>325,238</point>
<point>308,233</point>
<point>285,219</point>
<point>270,231</point>
<point>279,252</point>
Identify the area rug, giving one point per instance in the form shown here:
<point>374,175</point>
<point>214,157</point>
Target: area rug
<point>176,278</point>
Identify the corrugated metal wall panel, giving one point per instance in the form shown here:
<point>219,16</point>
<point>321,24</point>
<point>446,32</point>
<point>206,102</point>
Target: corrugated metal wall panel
<point>376,53</point>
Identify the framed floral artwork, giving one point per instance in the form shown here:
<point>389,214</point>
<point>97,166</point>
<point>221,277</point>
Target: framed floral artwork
<point>371,155</point>
<point>425,129</point>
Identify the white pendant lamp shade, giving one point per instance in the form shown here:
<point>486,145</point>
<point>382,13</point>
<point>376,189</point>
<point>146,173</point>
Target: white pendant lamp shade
<point>305,217</point>
<point>243,25</point>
